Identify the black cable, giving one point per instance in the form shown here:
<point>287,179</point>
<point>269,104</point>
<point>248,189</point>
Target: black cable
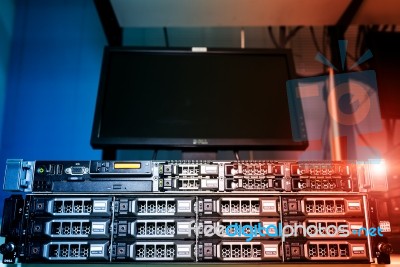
<point>236,155</point>
<point>374,28</point>
<point>314,39</point>
<point>155,154</point>
<point>389,127</point>
<point>357,51</point>
<point>324,34</point>
<point>166,37</point>
<point>351,57</point>
<point>283,39</point>
<point>384,28</point>
<point>362,46</point>
<point>282,36</point>
<point>292,33</point>
<point>324,135</point>
<point>325,126</point>
<point>271,35</point>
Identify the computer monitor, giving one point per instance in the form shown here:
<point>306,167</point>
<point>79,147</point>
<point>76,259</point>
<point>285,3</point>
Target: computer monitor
<point>199,99</point>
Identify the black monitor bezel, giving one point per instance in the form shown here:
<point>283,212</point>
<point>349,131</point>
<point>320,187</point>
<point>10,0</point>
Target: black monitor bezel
<point>188,143</point>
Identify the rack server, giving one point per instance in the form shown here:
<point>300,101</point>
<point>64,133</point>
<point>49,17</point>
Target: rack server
<point>195,211</point>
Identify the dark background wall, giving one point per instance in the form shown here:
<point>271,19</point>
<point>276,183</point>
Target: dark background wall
<point>50,79</point>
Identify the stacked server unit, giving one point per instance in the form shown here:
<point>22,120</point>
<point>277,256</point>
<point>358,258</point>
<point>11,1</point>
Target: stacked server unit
<point>192,211</point>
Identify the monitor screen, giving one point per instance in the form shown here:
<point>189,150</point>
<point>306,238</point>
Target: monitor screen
<point>223,99</point>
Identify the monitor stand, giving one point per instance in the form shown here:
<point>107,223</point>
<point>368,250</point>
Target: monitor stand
<point>109,153</point>
<point>199,155</point>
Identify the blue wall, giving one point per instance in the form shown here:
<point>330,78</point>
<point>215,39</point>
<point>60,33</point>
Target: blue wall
<point>52,81</point>
<point>7,11</point>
